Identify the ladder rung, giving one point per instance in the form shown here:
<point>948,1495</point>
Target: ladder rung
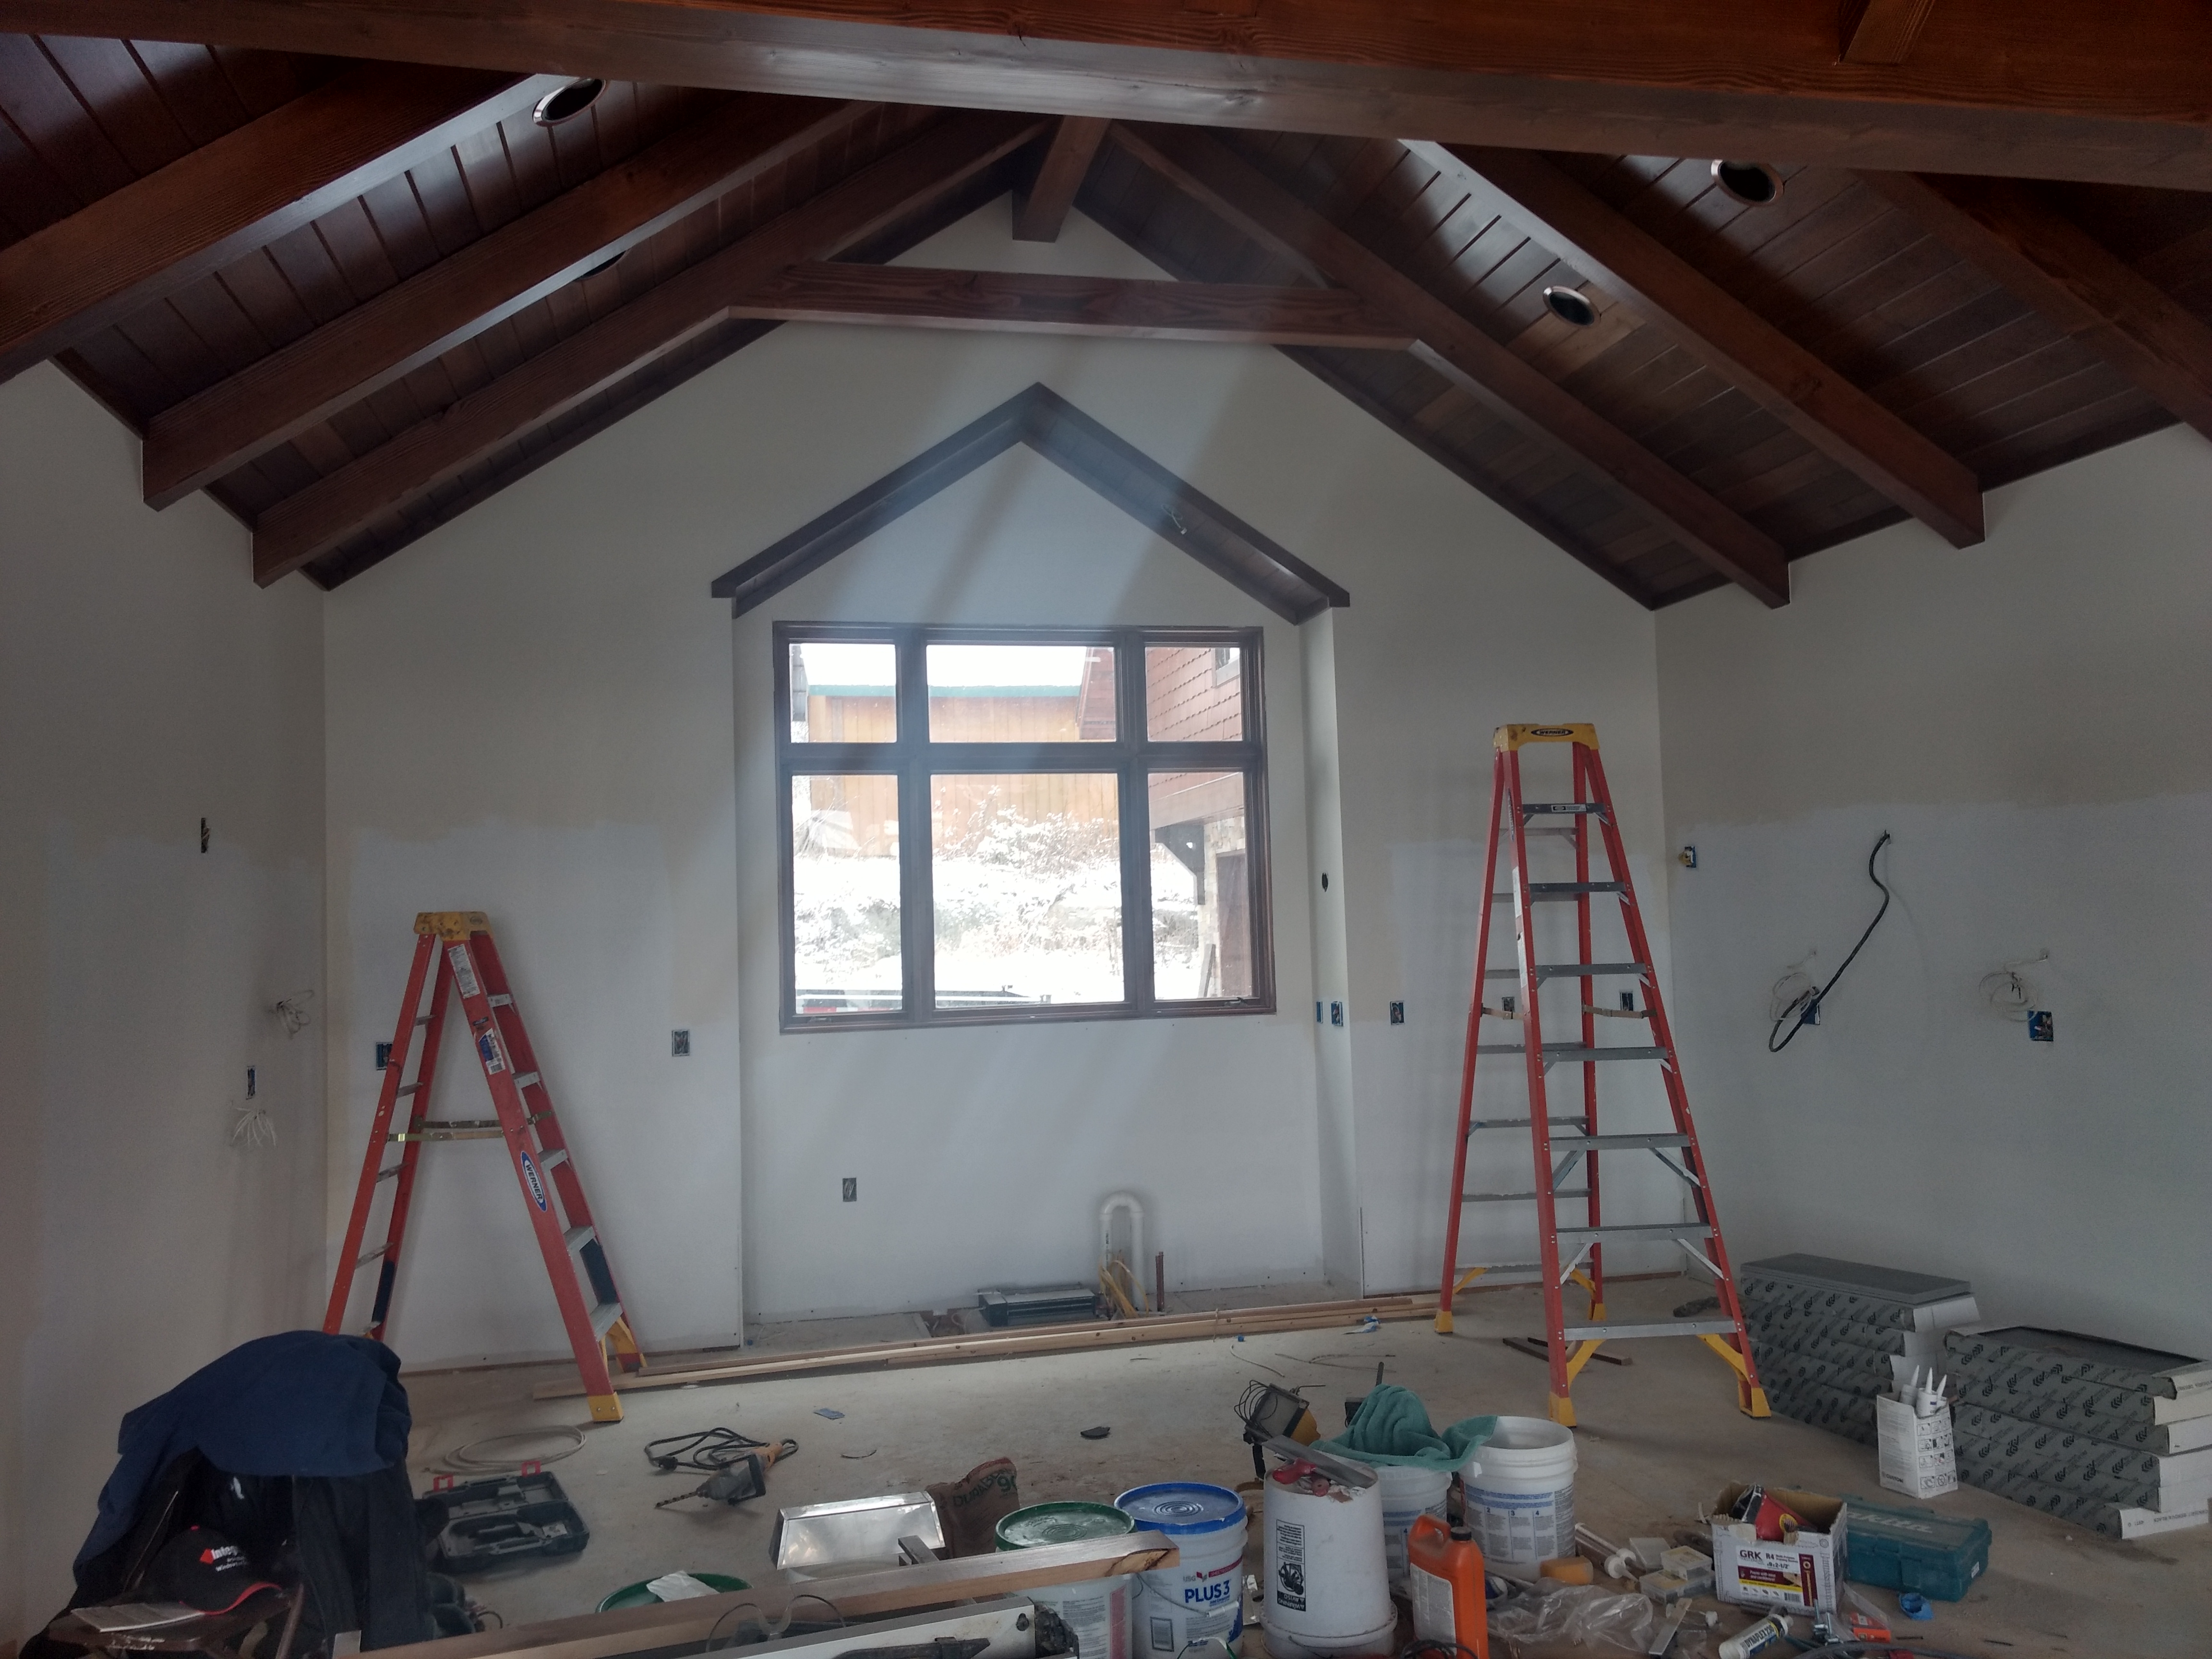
<point>1499,1267</point>
<point>1572,1054</point>
<point>1522,1122</point>
<point>424,1019</point>
<point>526,1079</point>
<point>1509,1198</point>
<point>502,999</point>
<point>414,1088</point>
<point>1641,1229</point>
<point>576,1237</point>
<point>1671,1328</point>
<point>1593,1143</point>
<point>1574,970</point>
<point>362,1261</point>
<point>554,1158</point>
<point>1554,892</point>
<point>387,1173</point>
<point>1530,808</point>
<point>603,1317</point>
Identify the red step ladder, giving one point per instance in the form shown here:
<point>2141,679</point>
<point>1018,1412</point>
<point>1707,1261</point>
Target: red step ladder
<point>576,1260</point>
<point>1569,1346</point>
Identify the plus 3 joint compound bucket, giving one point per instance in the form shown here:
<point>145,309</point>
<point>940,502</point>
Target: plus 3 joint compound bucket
<point>1097,1610</point>
<point>1520,1497</point>
<point>1203,1594</point>
<point>1408,1493</point>
<point>1328,1592</point>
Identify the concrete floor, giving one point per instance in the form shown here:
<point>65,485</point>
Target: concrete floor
<point>1657,1441</point>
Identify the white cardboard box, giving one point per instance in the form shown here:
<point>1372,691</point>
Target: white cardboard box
<point>1917,1457</point>
<point>1801,1576</point>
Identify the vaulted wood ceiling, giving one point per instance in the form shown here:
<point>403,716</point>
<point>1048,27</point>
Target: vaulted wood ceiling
<point>352,298</point>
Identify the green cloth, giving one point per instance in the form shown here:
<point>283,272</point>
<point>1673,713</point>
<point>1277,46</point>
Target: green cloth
<point>1392,1426</point>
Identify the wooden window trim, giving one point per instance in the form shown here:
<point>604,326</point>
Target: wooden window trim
<point>914,760</point>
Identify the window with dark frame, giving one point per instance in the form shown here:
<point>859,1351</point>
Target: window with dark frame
<point>985,825</point>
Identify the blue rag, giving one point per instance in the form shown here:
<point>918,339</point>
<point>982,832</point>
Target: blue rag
<point>1392,1426</point>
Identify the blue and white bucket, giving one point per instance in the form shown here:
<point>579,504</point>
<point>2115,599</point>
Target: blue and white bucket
<point>1203,1594</point>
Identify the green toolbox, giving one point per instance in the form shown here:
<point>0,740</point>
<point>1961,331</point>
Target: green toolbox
<point>1914,1549</point>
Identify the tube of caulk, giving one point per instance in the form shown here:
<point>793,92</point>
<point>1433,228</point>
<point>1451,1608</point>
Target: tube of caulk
<point>1769,1633</point>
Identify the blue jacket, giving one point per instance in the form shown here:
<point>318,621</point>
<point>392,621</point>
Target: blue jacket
<point>300,1402</point>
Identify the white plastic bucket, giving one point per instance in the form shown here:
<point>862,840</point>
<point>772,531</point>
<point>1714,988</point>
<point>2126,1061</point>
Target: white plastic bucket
<point>1520,1500</point>
<point>1095,1610</point>
<point>1203,1594</point>
<point>1408,1493</point>
<point>1328,1591</point>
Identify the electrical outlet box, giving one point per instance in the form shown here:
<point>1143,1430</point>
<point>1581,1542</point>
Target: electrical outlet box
<point>679,1044</point>
<point>1688,856</point>
<point>851,1193</point>
<point>250,1081</point>
<point>1397,1013</point>
<point>1336,1013</point>
<point>383,1056</point>
<point>2040,1026</point>
<point>1628,1002</point>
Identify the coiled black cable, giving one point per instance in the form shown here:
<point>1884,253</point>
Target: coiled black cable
<point>1794,1015</point>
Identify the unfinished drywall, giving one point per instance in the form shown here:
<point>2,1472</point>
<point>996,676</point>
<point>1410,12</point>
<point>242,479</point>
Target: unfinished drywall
<point>147,685</point>
<point>591,732</point>
<point>2024,719</point>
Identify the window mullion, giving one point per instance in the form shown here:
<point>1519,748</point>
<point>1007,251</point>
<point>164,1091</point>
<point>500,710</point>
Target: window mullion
<point>918,929</point>
<point>1135,821</point>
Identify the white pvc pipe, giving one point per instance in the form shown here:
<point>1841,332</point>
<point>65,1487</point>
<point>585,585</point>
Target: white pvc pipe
<point>1124,1201</point>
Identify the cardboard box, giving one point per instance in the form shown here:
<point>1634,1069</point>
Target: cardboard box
<point>1803,1577</point>
<point>1916,1455</point>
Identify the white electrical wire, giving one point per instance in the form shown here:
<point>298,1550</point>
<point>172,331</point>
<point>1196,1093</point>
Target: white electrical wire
<point>478,1458</point>
<point>2007,992</point>
<point>254,1128</point>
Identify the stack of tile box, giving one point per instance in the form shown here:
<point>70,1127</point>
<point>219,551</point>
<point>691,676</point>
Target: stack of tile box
<point>2115,1439</point>
<point>1828,1336</point>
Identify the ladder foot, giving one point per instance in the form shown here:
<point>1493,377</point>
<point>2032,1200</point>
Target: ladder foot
<point>606,1407</point>
<point>1563,1410</point>
<point>1756,1405</point>
<point>1444,1321</point>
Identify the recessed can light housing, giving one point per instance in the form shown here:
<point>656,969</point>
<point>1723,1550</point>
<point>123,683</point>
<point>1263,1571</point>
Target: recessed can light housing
<point>567,103</point>
<point>1571,305</point>
<point>1753,183</point>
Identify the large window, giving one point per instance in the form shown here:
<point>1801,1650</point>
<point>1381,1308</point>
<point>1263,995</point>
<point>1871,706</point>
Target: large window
<point>987,824</point>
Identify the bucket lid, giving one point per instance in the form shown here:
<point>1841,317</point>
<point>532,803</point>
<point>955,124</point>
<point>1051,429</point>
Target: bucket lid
<point>1060,1523</point>
<point>1180,1508</point>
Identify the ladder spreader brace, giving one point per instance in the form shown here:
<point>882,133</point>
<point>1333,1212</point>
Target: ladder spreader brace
<point>458,944</point>
<point>1569,1347</point>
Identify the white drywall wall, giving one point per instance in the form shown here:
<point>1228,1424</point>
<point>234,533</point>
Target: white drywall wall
<point>590,735</point>
<point>147,683</point>
<point>2027,718</point>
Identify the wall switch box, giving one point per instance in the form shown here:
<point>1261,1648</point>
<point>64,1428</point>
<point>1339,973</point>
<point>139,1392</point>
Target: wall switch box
<point>1688,855</point>
<point>1336,1013</point>
<point>2040,1028</point>
<point>1397,1013</point>
<point>383,1056</point>
<point>851,1193</point>
<point>679,1044</point>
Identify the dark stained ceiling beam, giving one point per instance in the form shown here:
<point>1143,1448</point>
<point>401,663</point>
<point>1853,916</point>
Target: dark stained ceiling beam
<point>1882,31</point>
<point>1459,349</point>
<point>1041,209</point>
<point>311,522</point>
<point>1822,406</point>
<point>1101,306</point>
<point>2015,234</point>
<point>147,240</point>
<point>2048,88</point>
<point>459,297</point>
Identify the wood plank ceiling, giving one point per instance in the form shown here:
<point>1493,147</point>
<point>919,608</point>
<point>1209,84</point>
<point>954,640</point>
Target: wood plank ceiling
<point>352,301</point>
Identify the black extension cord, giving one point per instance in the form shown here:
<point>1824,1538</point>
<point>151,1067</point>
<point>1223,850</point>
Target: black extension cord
<point>1794,1015</point>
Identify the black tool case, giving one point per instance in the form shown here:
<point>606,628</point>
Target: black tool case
<point>509,1521</point>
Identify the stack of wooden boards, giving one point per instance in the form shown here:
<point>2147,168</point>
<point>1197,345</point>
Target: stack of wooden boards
<point>1828,1336</point>
<point>2114,1438</point>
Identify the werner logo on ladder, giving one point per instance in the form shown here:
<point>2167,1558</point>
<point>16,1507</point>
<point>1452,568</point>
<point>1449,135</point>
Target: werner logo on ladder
<point>454,952</point>
<point>1580,1139</point>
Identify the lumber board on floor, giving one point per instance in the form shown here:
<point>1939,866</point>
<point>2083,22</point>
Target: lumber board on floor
<point>1041,1339</point>
<point>673,1624</point>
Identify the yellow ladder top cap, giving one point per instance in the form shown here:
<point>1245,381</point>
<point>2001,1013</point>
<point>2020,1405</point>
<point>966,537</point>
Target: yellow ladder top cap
<point>452,924</point>
<point>1582,732</point>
